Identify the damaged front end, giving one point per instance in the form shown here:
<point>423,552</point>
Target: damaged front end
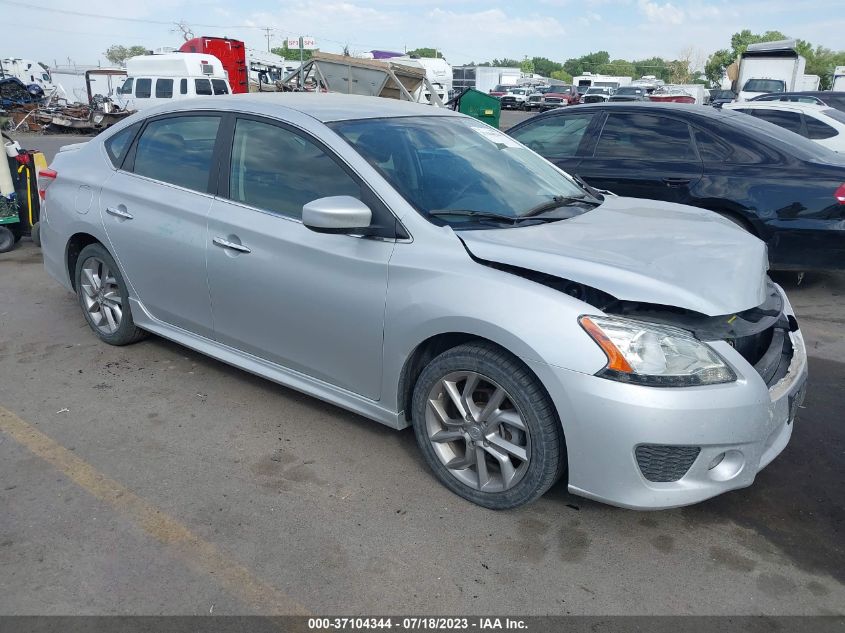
<point>761,335</point>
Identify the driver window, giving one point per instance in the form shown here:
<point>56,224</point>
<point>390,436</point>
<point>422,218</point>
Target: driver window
<point>277,170</point>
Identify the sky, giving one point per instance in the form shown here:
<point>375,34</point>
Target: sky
<point>465,30</point>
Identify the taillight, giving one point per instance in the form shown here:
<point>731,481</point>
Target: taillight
<point>45,178</point>
<point>840,194</point>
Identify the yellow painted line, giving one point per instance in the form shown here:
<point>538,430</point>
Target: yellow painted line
<point>202,556</point>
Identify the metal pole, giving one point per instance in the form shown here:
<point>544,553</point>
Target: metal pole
<point>301,77</point>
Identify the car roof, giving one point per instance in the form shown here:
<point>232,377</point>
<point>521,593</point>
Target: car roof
<point>324,107</point>
<point>650,106</point>
<point>794,106</point>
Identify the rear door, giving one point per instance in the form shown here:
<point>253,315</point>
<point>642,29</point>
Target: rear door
<point>155,210</point>
<point>644,155</point>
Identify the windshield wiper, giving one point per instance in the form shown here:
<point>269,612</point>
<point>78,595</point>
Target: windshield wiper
<point>554,203</point>
<point>471,213</point>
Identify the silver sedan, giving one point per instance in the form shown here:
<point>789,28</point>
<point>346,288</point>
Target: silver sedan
<point>421,268</point>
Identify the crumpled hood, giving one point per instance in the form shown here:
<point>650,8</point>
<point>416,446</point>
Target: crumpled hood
<point>640,250</point>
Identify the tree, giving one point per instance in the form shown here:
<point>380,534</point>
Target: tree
<point>425,52</point>
<point>506,62</point>
<point>545,67</point>
<point>561,75</point>
<point>527,66</point>
<point>117,54</point>
<point>656,66</point>
<point>291,53</point>
<point>619,68</point>
<point>591,62</point>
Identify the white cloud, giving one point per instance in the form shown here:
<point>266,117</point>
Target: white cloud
<point>493,22</point>
<point>658,13</point>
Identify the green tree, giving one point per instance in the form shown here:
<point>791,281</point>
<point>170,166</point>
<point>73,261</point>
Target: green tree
<point>506,62</point>
<point>291,53</point>
<point>619,68</point>
<point>425,52</point>
<point>545,67</point>
<point>656,66</point>
<point>561,75</point>
<point>117,53</point>
<point>591,62</point>
<point>527,66</point>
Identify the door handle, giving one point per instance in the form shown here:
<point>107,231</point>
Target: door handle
<point>120,213</point>
<point>676,182</point>
<point>224,243</point>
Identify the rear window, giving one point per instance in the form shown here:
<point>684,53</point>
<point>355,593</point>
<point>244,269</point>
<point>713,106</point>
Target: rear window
<point>644,136</point>
<point>118,145</point>
<point>203,86</point>
<point>143,88</point>
<point>219,87</point>
<point>178,150</point>
<point>164,88</point>
<point>788,120</point>
<point>818,130</point>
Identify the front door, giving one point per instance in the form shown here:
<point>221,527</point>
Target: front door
<point>155,211</point>
<point>312,302</point>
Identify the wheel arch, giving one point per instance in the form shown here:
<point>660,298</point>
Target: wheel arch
<point>75,244</point>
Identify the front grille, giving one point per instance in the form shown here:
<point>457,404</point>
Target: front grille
<point>553,100</point>
<point>665,463</point>
<point>534,99</point>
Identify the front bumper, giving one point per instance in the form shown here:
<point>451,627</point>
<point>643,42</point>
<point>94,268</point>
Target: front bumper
<point>745,423</point>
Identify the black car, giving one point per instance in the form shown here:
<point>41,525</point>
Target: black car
<point>819,97</point>
<point>785,189</point>
<point>630,93</point>
<point>718,98</point>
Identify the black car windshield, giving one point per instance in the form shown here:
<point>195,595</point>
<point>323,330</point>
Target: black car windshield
<point>764,85</point>
<point>443,163</point>
<point>629,91</point>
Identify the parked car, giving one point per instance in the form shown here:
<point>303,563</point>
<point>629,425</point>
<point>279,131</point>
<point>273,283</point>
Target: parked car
<point>630,93</point>
<point>781,187</point>
<point>596,95</point>
<point>530,327</point>
<point>514,99</point>
<point>819,97</point>
<point>500,91</point>
<point>535,98</point>
<point>718,98</point>
<point>559,98</point>
<point>824,125</point>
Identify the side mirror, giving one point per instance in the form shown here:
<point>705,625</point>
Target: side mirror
<point>336,214</point>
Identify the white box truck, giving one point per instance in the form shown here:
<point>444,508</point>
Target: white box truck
<point>838,79</point>
<point>770,67</point>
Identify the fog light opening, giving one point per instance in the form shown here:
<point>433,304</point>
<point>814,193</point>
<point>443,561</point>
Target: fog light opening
<point>725,466</point>
<point>716,461</point>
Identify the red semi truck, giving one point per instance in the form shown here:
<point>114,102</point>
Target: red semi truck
<point>231,53</point>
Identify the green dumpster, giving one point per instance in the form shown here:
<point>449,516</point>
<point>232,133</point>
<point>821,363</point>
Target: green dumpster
<point>478,105</point>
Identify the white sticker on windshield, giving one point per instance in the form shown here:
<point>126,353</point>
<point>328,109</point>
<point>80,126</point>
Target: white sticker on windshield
<point>495,136</point>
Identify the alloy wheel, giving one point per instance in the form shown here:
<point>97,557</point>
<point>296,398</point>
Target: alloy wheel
<point>101,295</point>
<point>477,432</point>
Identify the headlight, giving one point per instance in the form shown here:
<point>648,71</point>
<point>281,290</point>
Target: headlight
<point>655,355</point>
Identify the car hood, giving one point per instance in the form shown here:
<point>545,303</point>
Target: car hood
<point>640,250</point>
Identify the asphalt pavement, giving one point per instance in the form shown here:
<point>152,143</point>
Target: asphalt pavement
<point>150,479</point>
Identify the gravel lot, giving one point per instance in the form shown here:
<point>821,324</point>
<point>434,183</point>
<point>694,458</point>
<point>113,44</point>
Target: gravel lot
<point>150,479</point>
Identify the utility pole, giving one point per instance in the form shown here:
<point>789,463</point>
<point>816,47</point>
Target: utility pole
<point>267,30</point>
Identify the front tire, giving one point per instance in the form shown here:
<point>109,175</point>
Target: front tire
<point>486,426</point>
<point>104,298</point>
<point>7,240</point>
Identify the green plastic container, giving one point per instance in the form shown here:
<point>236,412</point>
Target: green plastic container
<point>480,106</point>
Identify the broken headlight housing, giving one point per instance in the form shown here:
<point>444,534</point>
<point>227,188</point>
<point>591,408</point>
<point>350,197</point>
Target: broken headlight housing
<point>655,355</point>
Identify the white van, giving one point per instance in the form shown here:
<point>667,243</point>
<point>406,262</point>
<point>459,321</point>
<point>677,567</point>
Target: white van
<point>155,79</point>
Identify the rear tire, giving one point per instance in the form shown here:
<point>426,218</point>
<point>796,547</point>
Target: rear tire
<point>104,298</point>
<point>36,234</point>
<point>486,426</point>
<point>7,240</point>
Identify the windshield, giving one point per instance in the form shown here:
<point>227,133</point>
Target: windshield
<point>441,163</point>
<point>629,91</point>
<point>764,85</point>
<point>501,88</point>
